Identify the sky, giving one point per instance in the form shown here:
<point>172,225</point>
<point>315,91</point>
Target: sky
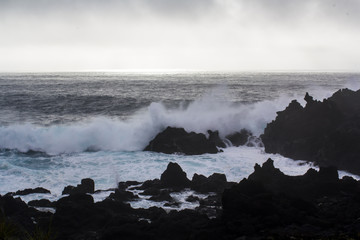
<point>198,35</point>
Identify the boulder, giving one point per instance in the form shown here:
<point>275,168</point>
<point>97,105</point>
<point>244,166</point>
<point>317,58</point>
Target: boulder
<point>123,195</point>
<point>215,183</point>
<point>177,140</point>
<point>215,138</point>
<point>174,177</point>
<point>31,191</point>
<point>87,185</point>
<point>239,138</point>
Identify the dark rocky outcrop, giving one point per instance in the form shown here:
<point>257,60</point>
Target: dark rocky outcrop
<point>177,140</point>
<point>308,205</point>
<point>28,191</point>
<point>174,177</point>
<point>17,219</point>
<point>326,132</point>
<point>215,138</point>
<point>266,205</point>
<point>215,183</point>
<point>87,185</point>
<point>123,195</point>
<point>41,203</point>
<point>239,138</point>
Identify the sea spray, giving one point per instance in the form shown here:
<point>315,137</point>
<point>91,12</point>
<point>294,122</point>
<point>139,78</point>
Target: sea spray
<point>210,112</point>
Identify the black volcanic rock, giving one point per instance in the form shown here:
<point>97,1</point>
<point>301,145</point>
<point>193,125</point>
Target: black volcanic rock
<point>162,196</point>
<point>41,203</point>
<point>122,195</point>
<point>316,200</point>
<point>215,138</point>
<point>87,185</point>
<point>239,138</point>
<point>215,183</point>
<point>267,205</point>
<point>174,177</point>
<point>326,132</point>
<point>177,140</point>
<point>17,213</point>
<point>31,191</point>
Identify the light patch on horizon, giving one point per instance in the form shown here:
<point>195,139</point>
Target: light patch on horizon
<point>236,35</point>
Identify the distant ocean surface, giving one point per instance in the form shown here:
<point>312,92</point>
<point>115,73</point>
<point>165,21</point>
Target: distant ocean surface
<point>57,128</point>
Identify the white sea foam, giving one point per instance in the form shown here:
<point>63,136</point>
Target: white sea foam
<point>108,168</point>
<point>213,111</point>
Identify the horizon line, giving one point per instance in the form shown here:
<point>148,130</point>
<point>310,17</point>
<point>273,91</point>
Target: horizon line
<point>159,70</point>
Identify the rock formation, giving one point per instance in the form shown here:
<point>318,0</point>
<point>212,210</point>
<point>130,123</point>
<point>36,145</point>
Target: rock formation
<point>326,132</point>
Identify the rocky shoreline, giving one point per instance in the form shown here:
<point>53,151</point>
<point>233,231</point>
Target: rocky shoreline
<point>268,204</point>
<point>324,132</point>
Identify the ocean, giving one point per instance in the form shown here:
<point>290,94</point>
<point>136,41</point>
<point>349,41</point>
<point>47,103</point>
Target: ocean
<point>57,128</point>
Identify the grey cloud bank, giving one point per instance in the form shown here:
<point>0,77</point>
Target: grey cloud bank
<point>205,34</point>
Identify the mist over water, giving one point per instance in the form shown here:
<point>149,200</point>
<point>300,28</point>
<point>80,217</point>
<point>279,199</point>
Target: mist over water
<point>96,124</point>
<point>67,113</point>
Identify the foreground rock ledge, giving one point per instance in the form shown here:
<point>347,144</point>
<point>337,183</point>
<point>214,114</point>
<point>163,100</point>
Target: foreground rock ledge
<point>268,204</point>
<point>327,132</point>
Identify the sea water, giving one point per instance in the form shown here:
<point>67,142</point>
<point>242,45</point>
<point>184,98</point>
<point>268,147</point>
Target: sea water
<point>57,128</point>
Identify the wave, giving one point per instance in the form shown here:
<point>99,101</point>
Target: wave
<point>213,111</point>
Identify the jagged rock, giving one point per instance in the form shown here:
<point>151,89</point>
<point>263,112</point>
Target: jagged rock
<point>269,204</point>
<point>80,199</point>
<point>315,199</point>
<point>87,185</point>
<point>30,191</point>
<point>152,191</point>
<point>192,198</point>
<point>308,186</point>
<point>239,138</point>
<point>326,132</point>
<point>215,183</point>
<point>177,140</point>
<point>41,203</point>
<point>17,213</point>
<point>150,184</point>
<point>215,138</point>
<point>162,196</point>
<point>125,185</point>
<point>174,177</point>
<point>122,195</point>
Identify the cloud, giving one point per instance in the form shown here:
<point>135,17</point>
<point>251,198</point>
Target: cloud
<point>206,34</point>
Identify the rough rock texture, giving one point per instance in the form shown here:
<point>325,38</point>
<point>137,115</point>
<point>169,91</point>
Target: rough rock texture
<point>314,205</point>
<point>215,183</point>
<point>174,177</point>
<point>41,203</point>
<point>30,191</point>
<point>239,138</point>
<point>326,132</point>
<point>177,140</point>
<point>87,185</point>
<point>267,205</point>
<point>215,138</point>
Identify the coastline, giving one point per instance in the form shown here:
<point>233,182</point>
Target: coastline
<point>266,204</point>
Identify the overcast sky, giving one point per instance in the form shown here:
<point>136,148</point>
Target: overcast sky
<point>236,35</point>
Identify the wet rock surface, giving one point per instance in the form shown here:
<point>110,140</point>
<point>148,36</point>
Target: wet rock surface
<point>268,204</point>
<point>239,138</point>
<point>326,132</point>
<point>177,140</point>
<point>28,191</point>
<point>87,185</point>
